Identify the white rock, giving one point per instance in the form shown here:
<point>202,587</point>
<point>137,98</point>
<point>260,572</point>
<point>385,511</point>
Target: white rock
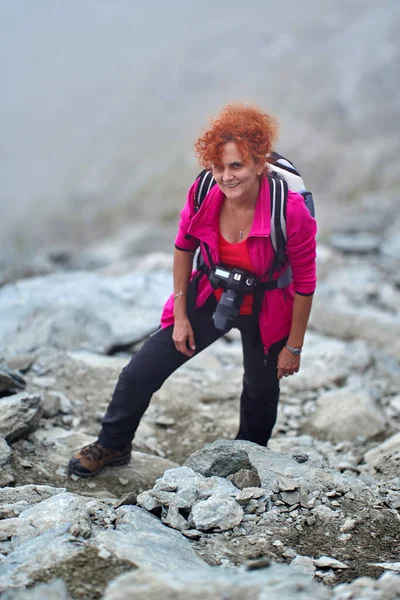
<point>326,562</point>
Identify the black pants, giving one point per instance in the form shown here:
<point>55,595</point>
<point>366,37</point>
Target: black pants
<point>158,359</point>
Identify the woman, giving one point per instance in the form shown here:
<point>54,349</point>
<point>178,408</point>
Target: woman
<point>232,227</point>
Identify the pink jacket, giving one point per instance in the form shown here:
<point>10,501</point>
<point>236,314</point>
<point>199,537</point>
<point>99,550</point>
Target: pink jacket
<point>276,311</point>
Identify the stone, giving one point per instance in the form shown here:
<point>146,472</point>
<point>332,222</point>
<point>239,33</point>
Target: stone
<point>5,452</point>
<point>60,509</point>
<point>217,459</point>
<point>21,362</point>
<point>274,582</point>
<point>389,566</point>
<point>326,562</point>
<point>360,243</point>
<point>20,414</point>
<point>42,552</point>
<point>348,525</point>
<point>385,458</point>
<point>32,494</point>
<point>55,590</point>
<point>80,309</point>
<point>345,414</point>
<point>245,478</point>
<point>174,519</point>
<point>11,381</point>
<point>216,513</point>
<point>305,564</point>
<point>142,539</point>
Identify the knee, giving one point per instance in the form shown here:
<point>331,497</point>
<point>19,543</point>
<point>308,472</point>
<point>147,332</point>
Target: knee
<point>263,389</point>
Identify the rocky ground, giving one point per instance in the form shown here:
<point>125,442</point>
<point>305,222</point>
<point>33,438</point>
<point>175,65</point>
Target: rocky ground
<point>316,515</point>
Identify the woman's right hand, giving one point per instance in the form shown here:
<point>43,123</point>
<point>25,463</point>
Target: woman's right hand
<point>183,337</point>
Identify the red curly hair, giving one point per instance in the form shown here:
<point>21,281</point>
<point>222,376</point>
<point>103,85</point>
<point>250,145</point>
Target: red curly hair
<point>253,130</point>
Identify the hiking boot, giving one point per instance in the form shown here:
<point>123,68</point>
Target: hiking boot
<point>90,459</point>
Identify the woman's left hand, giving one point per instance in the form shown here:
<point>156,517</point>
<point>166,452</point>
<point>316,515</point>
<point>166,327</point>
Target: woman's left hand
<point>288,363</point>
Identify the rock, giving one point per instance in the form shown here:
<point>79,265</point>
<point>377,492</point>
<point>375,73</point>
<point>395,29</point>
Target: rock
<point>21,362</point>
<point>32,494</point>
<point>55,590</point>
<point>216,513</point>
<point>142,539</point>
<point>58,510</point>
<point>20,415</point>
<point>305,564</point>
<point>42,552</point>
<point>174,519</point>
<point>11,381</point>
<point>345,414</point>
<point>275,582</point>
<point>389,566</point>
<point>385,457</point>
<point>360,243</point>
<point>55,447</point>
<point>325,562</point>
<point>80,310</point>
<point>348,525</point>
<point>327,361</point>
<point>217,459</point>
<point>5,452</point>
<point>245,478</point>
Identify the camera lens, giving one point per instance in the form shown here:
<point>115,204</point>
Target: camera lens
<point>227,311</point>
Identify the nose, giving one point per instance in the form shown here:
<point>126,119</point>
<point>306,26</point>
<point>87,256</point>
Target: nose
<point>227,175</point>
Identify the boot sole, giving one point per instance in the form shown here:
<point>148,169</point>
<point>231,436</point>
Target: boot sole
<point>116,462</point>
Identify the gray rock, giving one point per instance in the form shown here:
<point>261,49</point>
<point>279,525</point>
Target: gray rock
<point>327,361</point>
<point>385,457</point>
<point>10,381</point>
<point>55,446</point>
<point>5,452</point>
<point>345,414</point>
<point>78,309</point>
<point>217,459</point>
<point>20,415</point>
<point>42,552</point>
<point>142,539</point>
<point>271,583</point>
<point>21,362</point>
<point>360,243</point>
<point>305,564</point>
<point>245,478</point>
<point>58,510</point>
<point>216,513</point>
<point>32,494</point>
<point>55,590</point>
<point>174,519</point>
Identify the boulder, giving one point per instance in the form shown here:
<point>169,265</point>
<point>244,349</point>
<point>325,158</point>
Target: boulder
<point>20,414</point>
<point>346,414</point>
<point>142,539</point>
<point>275,583</point>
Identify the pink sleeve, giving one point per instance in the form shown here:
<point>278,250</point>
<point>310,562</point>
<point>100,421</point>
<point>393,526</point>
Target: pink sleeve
<point>301,230</point>
<point>182,242</point>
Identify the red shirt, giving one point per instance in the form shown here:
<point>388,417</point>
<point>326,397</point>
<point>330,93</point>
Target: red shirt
<point>236,255</point>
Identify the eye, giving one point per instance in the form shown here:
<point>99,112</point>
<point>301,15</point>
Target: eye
<point>217,168</point>
<point>237,165</point>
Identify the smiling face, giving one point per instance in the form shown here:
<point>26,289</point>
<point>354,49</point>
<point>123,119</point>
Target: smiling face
<point>236,178</point>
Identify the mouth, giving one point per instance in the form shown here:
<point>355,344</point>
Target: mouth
<point>231,185</point>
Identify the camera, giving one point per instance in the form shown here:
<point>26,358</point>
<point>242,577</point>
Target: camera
<point>235,283</point>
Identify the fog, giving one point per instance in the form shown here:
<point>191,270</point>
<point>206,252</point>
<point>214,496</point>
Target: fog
<point>102,100</point>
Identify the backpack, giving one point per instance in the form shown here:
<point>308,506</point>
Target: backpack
<point>284,175</point>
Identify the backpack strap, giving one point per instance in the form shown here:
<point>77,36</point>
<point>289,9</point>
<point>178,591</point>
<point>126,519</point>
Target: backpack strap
<point>206,182</point>
<point>278,194</point>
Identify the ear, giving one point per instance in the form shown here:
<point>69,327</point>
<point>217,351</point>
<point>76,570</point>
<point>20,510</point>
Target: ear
<point>260,168</point>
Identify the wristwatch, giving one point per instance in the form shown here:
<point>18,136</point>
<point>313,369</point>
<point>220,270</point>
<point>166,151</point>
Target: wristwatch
<point>295,351</point>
